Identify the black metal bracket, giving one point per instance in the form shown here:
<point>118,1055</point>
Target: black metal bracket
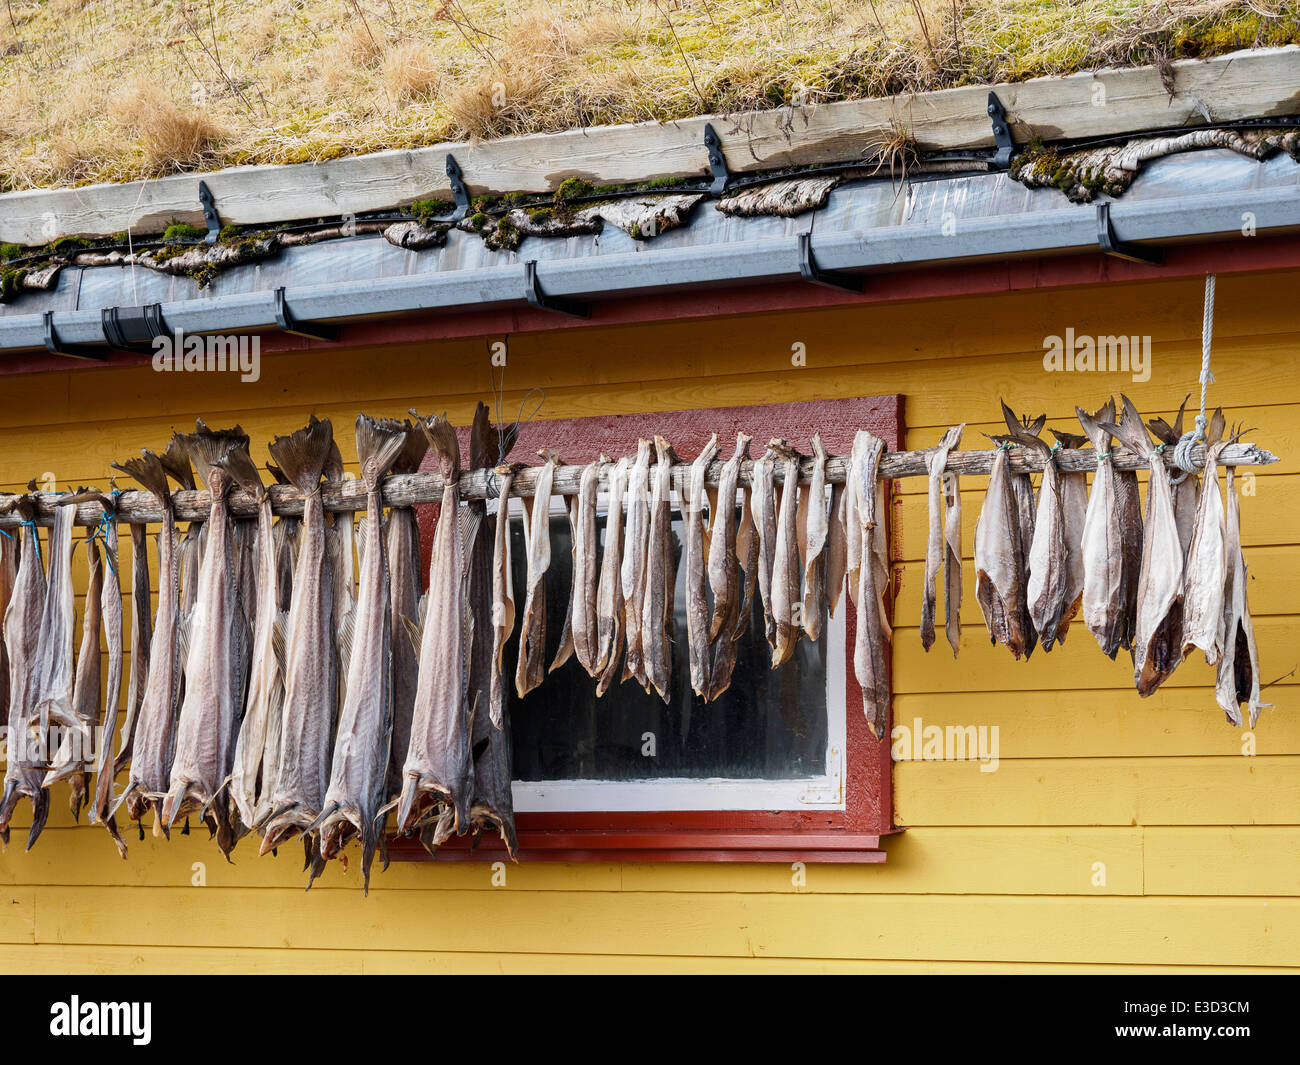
<point>459,192</point>
<point>535,296</point>
<point>289,324</point>
<point>717,162</point>
<point>1001,132</point>
<point>72,351</point>
<point>133,328</point>
<point>815,275</point>
<point>210,216</point>
<point>1122,249</point>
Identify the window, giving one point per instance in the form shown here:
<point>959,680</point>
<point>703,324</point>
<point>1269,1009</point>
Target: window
<point>780,767</point>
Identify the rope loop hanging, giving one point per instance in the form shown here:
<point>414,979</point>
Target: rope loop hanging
<point>1188,441</point>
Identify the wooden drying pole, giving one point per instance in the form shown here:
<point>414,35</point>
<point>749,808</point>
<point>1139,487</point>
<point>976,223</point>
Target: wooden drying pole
<point>410,489</point>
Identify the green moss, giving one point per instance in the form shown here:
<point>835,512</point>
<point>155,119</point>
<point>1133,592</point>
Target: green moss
<point>228,233</point>
<point>120,238</point>
<point>10,251</point>
<point>635,232</point>
<point>540,215</point>
<point>11,284</point>
<point>478,220</point>
<point>505,236</point>
<point>66,245</point>
<point>426,210</point>
<point>181,231</point>
<point>483,204</point>
<point>572,189</point>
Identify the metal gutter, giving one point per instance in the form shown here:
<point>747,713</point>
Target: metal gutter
<point>774,257</point>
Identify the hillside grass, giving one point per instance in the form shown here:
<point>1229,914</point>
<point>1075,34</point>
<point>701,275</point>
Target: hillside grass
<point>114,90</point>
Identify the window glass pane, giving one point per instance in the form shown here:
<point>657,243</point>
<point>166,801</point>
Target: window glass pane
<point>769,725</point>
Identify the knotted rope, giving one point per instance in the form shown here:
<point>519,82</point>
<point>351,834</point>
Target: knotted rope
<point>1188,441</point>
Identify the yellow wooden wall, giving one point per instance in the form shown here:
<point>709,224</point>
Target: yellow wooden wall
<point>996,871</point>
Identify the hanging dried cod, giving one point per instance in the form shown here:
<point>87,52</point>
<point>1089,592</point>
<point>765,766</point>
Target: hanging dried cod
<point>939,548</point>
<point>1185,490</point>
<point>1206,577</point>
<point>72,759</point>
<point>1074,512</point>
<point>1045,588</point>
<point>153,737</point>
<point>813,529</point>
<point>636,546</point>
<point>1022,486</point>
<point>360,768</point>
<point>586,542</point>
<point>503,592</point>
<point>311,685</point>
<point>437,776</point>
<point>786,602</point>
<point>405,581</point>
<point>733,567</point>
<point>111,610</point>
<point>762,508</point>
<point>1238,672</point>
<point>266,685</point>
<point>530,664</point>
<point>491,803</point>
<point>696,551</point>
<point>209,716</point>
<point>870,663</point>
<point>54,663</point>
<point>660,578</point>
<point>999,565</point>
<point>24,763</point>
<point>1158,643</point>
<point>1105,544</point>
<point>609,594</point>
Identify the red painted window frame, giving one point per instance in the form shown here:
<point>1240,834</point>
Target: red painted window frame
<point>849,835</point>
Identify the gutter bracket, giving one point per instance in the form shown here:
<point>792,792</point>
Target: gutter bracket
<point>133,328</point>
<point>1001,132</point>
<point>1123,249</point>
<point>459,192</point>
<point>537,298</point>
<point>285,319</point>
<point>815,275</point>
<point>72,351</point>
<point>717,162</point>
<point>210,217</point>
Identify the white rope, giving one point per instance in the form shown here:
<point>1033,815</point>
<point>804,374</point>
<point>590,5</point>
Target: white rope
<point>1188,441</point>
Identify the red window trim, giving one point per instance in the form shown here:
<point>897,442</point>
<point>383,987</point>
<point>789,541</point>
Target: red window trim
<point>849,835</point>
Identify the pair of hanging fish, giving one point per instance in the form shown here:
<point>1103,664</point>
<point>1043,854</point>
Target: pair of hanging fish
<point>1157,587</point>
<point>793,549</point>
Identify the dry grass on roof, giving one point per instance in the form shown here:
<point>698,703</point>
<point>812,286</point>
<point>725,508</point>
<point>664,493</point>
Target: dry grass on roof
<point>111,90</point>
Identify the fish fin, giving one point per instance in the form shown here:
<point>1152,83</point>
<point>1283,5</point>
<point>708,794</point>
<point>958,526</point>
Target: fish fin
<point>304,454</point>
<point>148,470</point>
<point>412,451</point>
<point>443,443</point>
<point>206,446</point>
<point>243,470</point>
<point>343,637</point>
<point>176,461</point>
<point>414,630</point>
<point>379,445</point>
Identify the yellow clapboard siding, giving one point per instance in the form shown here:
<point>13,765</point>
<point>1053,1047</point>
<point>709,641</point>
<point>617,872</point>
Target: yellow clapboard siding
<point>1045,861</point>
<point>1169,311</point>
<point>185,961</point>
<point>1259,860</point>
<point>1248,931</point>
<point>1262,790</point>
<point>1094,724</point>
